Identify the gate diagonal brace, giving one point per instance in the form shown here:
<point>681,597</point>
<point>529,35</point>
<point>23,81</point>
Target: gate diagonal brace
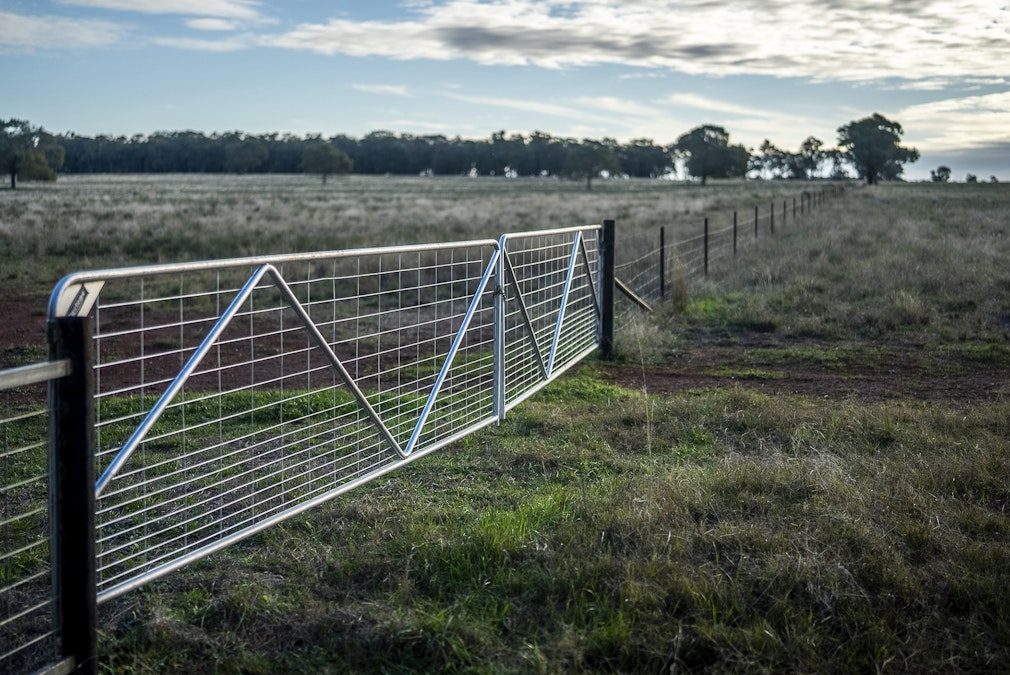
<point>564,301</point>
<point>526,316</point>
<point>127,449</point>
<point>451,356</point>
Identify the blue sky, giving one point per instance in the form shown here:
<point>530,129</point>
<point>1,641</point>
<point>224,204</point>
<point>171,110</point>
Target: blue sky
<point>781,70</point>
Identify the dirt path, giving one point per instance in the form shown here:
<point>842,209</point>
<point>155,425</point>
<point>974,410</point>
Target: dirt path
<point>758,364</point>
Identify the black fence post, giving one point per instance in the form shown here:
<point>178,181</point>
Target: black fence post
<point>794,208</point>
<point>771,218</point>
<point>662,263</point>
<point>783,213</point>
<point>72,493</point>
<point>706,247</point>
<point>734,234</point>
<point>607,250</point>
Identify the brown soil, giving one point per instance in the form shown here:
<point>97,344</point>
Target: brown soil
<point>22,329</point>
<point>899,373</point>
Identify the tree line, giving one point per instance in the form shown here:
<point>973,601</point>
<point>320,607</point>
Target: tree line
<point>870,147</point>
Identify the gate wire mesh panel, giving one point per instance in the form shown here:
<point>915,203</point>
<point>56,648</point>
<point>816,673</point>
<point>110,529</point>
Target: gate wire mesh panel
<point>28,640</point>
<point>231,397</point>
<point>551,305</point>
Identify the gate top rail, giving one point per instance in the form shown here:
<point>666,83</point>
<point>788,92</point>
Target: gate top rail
<point>72,295</point>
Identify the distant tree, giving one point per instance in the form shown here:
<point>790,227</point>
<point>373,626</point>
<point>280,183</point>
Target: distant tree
<point>709,154</point>
<point>992,179</point>
<point>322,158</point>
<point>971,178</point>
<point>643,159</point>
<point>242,155</point>
<point>28,151</point>
<point>941,174</point>
<point>769,161</point>
<point>590,158</point>
<point>871,145</point>
<point>809,159</point>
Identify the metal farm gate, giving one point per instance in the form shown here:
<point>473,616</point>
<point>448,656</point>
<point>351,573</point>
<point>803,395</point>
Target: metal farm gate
<point>193,405</point>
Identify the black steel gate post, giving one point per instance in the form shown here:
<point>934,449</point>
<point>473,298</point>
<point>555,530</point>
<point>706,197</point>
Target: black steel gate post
<point>706,246</point>
<point>72,493</point>
<point>607,251</point>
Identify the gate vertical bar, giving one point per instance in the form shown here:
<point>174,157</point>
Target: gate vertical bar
<point>72,493</point>
<point>498,394</point>
<point>607,251</point>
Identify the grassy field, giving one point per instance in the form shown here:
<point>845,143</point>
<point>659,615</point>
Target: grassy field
<point>93,222</point>
<point>806,470</point>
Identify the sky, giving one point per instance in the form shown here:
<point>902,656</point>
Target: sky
<point>781,70</point>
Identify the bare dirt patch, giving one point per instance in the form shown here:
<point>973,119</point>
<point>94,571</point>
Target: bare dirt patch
<point>22,330</point>
<point>895,372</point>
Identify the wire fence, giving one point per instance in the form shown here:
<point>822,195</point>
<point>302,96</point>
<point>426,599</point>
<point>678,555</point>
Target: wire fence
<point>662,273</point>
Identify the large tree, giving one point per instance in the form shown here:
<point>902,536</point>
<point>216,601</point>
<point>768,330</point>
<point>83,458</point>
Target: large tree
<point>709,154</point>
<point>322,158</point>
<point>871,146</point>
<point>28,151</point>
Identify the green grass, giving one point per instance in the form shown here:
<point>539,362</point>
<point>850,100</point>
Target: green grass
<point>756,533</point>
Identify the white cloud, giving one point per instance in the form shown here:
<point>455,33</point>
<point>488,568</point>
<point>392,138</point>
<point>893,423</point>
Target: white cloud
<point>19,32</point>
<point>392,90</point>
<point>539,107</point>
<point>620,106</point>
<point>708,104</point>
<point>959,123</point>
<point>234,9</point>
<point>212,24</point>
<point>196,44</point>
<point>844,40</point>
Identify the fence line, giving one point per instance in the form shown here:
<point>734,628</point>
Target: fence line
<point>652,275</point>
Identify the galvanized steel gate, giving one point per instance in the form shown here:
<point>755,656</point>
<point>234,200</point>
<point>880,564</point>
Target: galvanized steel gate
<point>215,399</point>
